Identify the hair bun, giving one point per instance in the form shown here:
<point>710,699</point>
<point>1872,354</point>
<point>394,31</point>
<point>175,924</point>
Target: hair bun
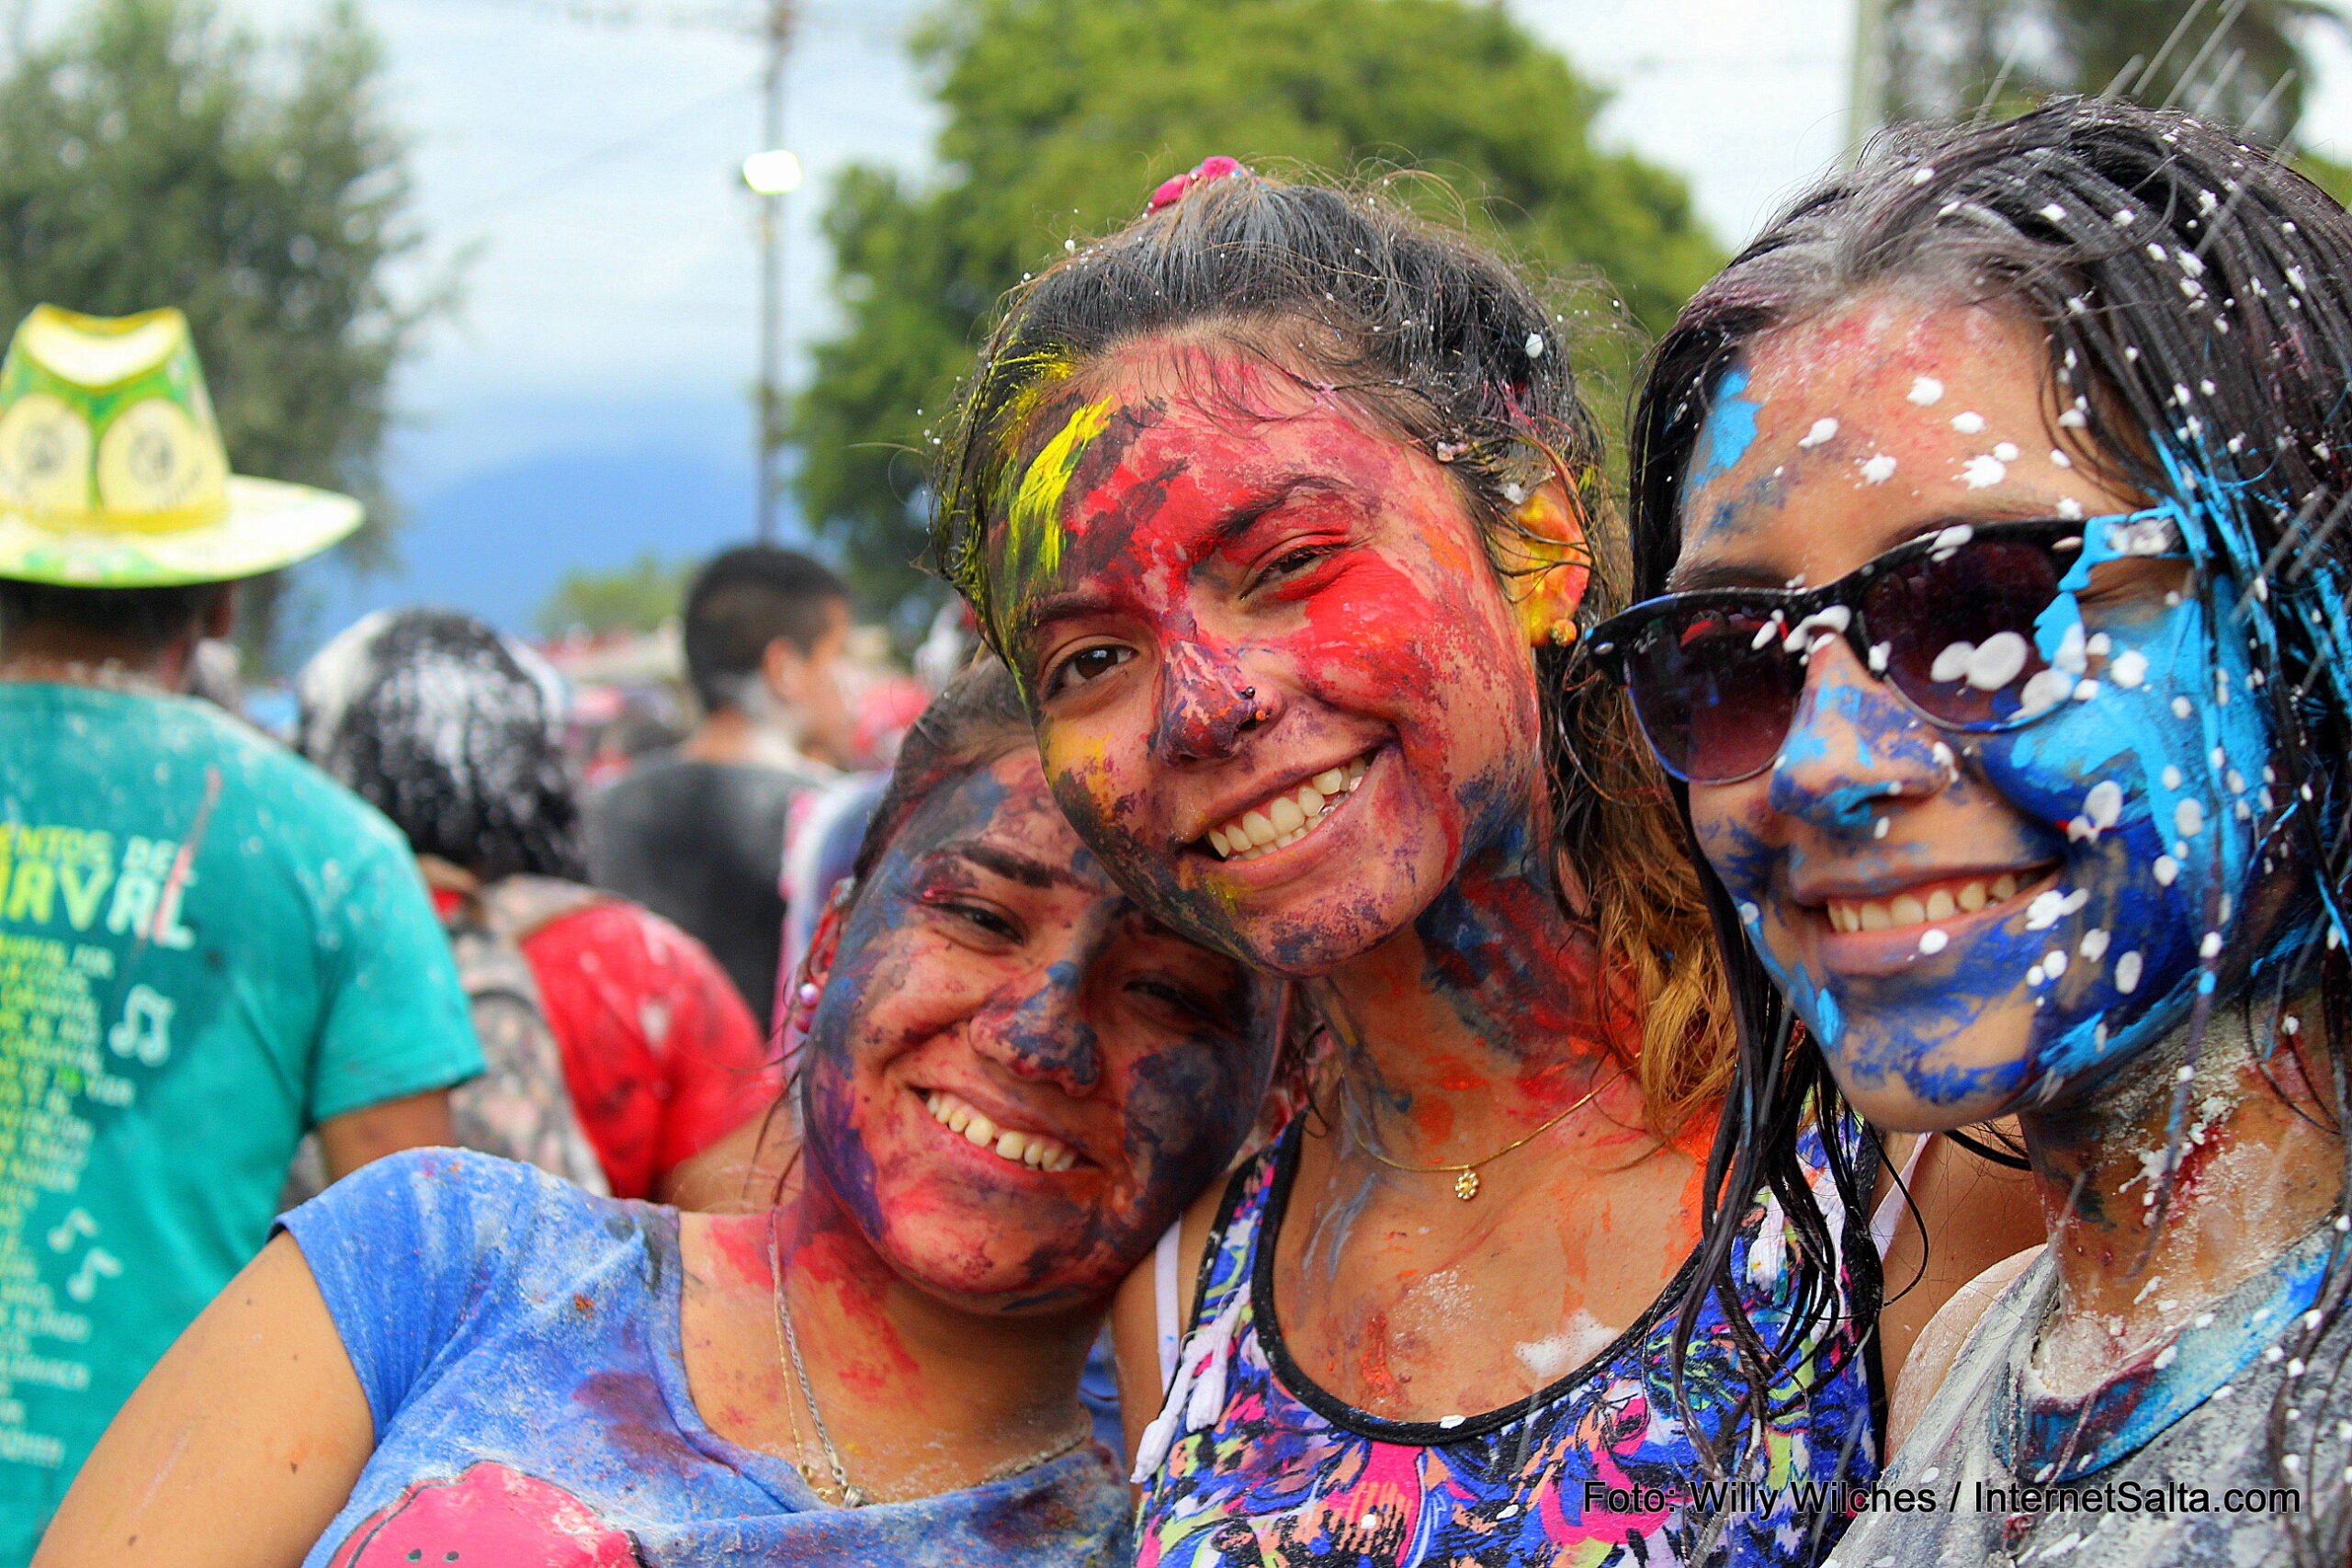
<point>1172,190</point>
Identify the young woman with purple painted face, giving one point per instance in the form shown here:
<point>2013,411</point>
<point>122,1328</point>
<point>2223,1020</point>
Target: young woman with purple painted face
<point>1013,1079</point>
<point>1996,498</point>
<point>1277,503</point>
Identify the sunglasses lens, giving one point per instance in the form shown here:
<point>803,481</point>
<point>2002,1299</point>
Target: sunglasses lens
<point>1714,692</point>
<point>1959,633</point>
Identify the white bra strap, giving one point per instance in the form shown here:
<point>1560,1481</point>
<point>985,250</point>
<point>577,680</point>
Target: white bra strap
<point>1890,1208</point>
<point>1165,1259</point>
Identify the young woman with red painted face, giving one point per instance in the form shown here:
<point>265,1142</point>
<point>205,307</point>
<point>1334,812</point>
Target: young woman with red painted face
<point>1013,1081</point>
<point>1279,503</point>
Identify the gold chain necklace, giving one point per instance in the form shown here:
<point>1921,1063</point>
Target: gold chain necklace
<point>1466,1179</point>
<point>787,1345</point>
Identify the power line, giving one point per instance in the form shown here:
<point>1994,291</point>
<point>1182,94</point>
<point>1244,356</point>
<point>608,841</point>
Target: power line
<point>537,185</point>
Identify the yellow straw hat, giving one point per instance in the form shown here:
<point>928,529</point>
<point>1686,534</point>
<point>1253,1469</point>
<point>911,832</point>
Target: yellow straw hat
<point>112,473</point>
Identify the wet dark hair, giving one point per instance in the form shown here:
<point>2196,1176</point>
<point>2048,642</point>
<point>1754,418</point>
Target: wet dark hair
<point>741,600</point>
<point>1437,340</point>
<point>2191,290</point>
<point>148,617</point>
<point>976,720</point>
<point>442,725</point>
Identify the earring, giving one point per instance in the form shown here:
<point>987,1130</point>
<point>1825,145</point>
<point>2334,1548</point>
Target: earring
<point>1564,632</point>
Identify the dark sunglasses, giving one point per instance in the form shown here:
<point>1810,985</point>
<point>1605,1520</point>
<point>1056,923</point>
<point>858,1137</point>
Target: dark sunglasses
<point>1947,621</point>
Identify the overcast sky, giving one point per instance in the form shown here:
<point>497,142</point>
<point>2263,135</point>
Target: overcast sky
<point>575,163</point>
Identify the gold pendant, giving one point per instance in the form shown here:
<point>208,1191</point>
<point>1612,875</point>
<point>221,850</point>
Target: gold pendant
<point>1465,1186</point>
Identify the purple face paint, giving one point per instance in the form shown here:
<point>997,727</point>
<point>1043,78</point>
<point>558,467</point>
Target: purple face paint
<point>1016,1080</point>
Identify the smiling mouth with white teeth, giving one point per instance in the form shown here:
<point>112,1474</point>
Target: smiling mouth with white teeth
<point>1035,1150</point>
<point>1285,819</point>
<point>1928,902</point>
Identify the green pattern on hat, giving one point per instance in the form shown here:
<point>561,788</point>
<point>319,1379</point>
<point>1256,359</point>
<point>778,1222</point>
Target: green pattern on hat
<point>112,471</point>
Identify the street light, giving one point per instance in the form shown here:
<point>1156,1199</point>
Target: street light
<point>773,173</point>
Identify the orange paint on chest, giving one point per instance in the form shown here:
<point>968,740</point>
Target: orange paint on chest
<point>1373,1374</point>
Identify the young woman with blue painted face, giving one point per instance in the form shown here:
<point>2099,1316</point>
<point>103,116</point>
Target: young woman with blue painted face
<point>1013,1079</point>
<point>1996,498</point>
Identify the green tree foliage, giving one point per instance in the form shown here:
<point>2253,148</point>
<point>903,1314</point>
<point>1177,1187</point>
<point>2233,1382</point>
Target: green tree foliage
<point>2241,62</point>
<point>153,154</point>
<point>635,598</point>
<point>1062,115</point>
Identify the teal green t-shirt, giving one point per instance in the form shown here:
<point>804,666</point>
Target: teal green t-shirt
<point>207,947</point>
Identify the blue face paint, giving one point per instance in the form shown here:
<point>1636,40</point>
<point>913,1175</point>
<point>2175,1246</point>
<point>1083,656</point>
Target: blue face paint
<point>1730,429</point>
<point>989,958</point>
<point>2146,787</point>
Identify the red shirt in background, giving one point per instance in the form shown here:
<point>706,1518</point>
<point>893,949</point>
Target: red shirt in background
<point>659,1052</point>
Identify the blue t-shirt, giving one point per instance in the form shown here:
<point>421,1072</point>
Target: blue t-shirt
<point>518,1342</point>
<point>207,947</point>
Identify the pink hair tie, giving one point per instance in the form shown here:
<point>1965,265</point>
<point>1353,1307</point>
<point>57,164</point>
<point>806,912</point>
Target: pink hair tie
<point>1172,191</point>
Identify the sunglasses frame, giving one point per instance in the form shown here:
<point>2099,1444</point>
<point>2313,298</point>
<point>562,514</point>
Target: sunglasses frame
<point>1611,643</point>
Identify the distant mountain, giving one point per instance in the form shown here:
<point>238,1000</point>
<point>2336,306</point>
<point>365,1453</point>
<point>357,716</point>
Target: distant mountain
<point>495,541</point>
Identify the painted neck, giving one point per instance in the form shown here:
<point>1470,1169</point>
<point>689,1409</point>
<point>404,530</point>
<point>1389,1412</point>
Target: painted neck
<point>2258,1169</point>
<point>890,1344</point>
<point>1491,1008</point>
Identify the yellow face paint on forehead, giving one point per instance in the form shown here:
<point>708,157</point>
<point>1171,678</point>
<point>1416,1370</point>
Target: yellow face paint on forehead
<point>1031,547</point>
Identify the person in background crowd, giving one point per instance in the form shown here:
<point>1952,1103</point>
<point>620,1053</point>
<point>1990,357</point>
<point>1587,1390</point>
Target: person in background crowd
<point>454,732</point>
<point>1992,502</point>
<point>696,835</point>
<point>1015,1080</point>
<point>207,947</point>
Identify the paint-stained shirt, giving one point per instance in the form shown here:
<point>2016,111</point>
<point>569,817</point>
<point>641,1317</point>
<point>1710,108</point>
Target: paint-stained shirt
<point>1251,1463</point>
<point>528,1385</point>
<point>2169,1464</point>
<point>661,1058</point>
<point>206,947</point>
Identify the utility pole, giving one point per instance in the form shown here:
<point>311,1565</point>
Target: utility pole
<point>772,174</point>
<point>1866,93</point>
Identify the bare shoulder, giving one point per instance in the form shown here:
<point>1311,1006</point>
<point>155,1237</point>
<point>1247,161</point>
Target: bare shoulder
<point>1938,1344</point>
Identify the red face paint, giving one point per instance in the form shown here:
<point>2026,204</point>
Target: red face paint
<point>1251,589</point>
<point>989,970</point>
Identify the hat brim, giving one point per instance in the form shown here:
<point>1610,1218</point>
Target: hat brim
<point>269,525</point>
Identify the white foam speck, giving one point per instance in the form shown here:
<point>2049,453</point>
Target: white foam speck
<point>1995,661</point>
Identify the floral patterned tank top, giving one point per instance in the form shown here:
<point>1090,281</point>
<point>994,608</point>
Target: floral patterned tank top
<point>1249,1463</point>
